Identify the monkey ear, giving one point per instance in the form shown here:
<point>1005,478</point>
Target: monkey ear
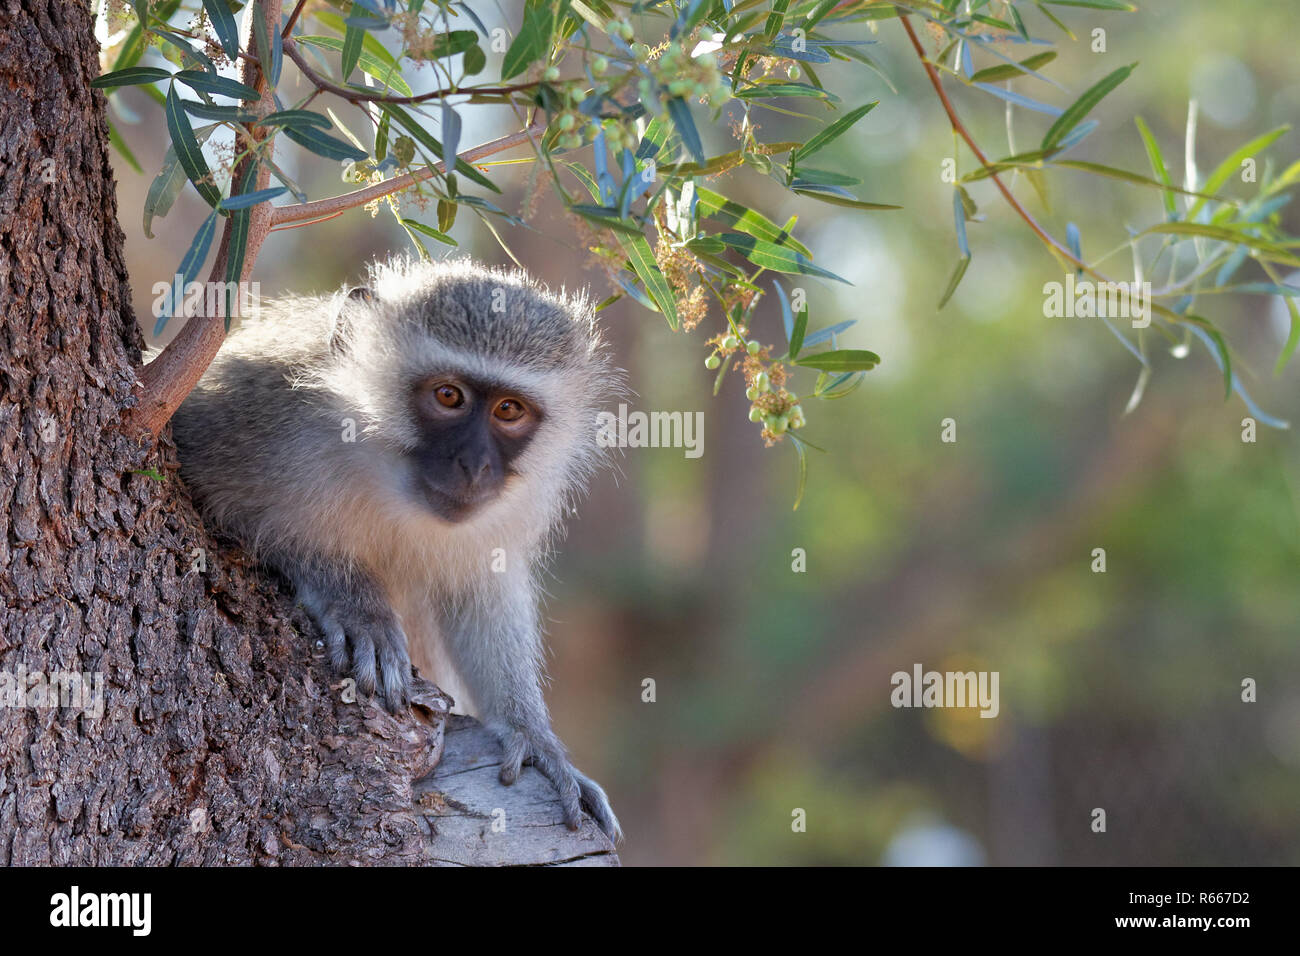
<point>355,297</point>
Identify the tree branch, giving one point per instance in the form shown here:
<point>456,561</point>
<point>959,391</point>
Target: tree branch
<point>323,208</point>
<point>166,380</point>
<point>356,97</point>
<point>293,19</point>
<point>960,129</point>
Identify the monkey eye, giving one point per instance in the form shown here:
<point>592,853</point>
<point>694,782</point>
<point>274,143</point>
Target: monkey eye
<point>449,396</point>
<point>509,410</point>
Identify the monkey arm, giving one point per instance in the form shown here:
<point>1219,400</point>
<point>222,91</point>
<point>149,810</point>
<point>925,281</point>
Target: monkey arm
<point>494,642</point>
<point>362,634</point>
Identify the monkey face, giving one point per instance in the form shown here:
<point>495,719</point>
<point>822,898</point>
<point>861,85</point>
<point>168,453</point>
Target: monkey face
<point>472,433</point>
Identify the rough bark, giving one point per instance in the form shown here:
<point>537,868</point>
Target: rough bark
<point>222,740</point>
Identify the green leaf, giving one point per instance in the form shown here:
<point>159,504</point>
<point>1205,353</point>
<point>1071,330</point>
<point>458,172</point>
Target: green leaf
<point>1158,167</point>
<point>954,280</point>
<point>322,144</point>
<point>1272,251</point>
<point>475,60</point>
<point>711,205</point>
<point>211,83</point>
<point>270,48</point>
<point>798,332</point>
<point>685,126</point>
<point>382,69</point>
<point>777,258</point>
<point>167,185</point>
<point>764,91</point>
<point>223,23</point>
<point>1293,337</point>
<point>132,76</point>
<point>803,471</point>
<point>835,200</point>
<point>369,42</point>
<point>775,19</point>
<point>188,270</point>
<point>647,270</point>
<point>429,231</point>
<point>1230,166</point>
<point>241,218</point>
<point>1081,107</point>
<point>433,146</point>
<point>830,133</point>
<point>530,43</point>
<point>222,114</point>
<point>1009,71</point>
<point>295,118</point>
<point>248,200</point>
<point>1220,346</point>
<point>606,217</point>
<point>1052,16</point>
<point>352,38</point>
<point>187,149</point>
<point>1122,174</point>
<point>822,177</point>
<point>841,360</point>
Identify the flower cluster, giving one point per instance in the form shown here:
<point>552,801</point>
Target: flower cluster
<point>771,404</point>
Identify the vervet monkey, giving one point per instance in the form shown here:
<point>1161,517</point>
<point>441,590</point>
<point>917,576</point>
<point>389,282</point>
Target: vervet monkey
<point>404,454</point>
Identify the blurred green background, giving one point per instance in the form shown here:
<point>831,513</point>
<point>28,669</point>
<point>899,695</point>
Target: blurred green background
<point>1119,690</point>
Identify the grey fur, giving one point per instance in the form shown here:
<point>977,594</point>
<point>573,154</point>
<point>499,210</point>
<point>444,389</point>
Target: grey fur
<point>263,449</point>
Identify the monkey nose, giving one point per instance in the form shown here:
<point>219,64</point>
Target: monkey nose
<point>477,474</point>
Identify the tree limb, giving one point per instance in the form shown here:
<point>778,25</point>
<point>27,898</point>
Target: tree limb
<point>166,380</point>
<point>356,97</point>
<point>960,129</point>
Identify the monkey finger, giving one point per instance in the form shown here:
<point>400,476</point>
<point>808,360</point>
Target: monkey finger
<point>558,770</point>
<point>336,642</point>
<point>597,804</point>
<point>394,670</point>
<point>514,747</point>
<point>363,661</point>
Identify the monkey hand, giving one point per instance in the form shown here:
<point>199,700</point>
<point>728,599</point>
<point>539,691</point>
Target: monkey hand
<point>362,634</point>
<point>577,791</point>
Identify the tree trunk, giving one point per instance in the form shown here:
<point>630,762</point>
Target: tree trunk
<point>221,739</point>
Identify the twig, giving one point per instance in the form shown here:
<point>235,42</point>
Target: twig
<point>322,208</point>
<point>293,19</point>
<point>356,97</point>
<point>960,128</point>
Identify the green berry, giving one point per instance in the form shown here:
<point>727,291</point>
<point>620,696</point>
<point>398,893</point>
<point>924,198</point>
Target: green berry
<point>712,362</point>
<point>551,74</point>
<point>794,72</point>
<point>777,424</point>
<point>761,382</point>
<point>731,342</point>
<point>755,414</point>
<point>796,417</point>
<point>752,393</point>
<point>566,122</point>
<point>599,66</point>
<point>752,347</point>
